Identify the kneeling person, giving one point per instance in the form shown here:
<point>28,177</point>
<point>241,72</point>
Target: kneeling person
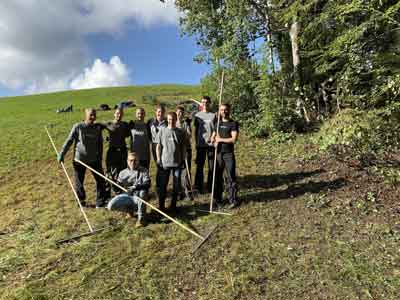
<point>136,180</point>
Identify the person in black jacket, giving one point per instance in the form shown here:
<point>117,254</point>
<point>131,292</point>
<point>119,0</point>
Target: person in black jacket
<point>224,140</point>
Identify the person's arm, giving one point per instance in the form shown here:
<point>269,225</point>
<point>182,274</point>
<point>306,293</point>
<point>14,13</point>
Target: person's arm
<point>231,140</point>
<point>158,153</point>
<point>146,181</point>
<point>72,137</point>
<point>159,147</point>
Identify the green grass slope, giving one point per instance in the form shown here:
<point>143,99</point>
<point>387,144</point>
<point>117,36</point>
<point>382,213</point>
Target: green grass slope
<point>310,227</point>
<point>22,121</point>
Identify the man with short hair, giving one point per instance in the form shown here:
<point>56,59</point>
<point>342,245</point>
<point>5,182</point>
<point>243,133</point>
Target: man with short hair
<point>117,152</point>
<point>171,151</point>
<point>88,147</point>
<point>184,123</point>
<point>155,124</point>
<point>136,180</point>
<point>203,124</point>
<point>140,138</point>
<point>228,132</point>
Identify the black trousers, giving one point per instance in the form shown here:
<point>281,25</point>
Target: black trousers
<point>145,164</point>
<point>226,161</point>
<point>164,174</point>
<point>203,154</point>
<point>115,163</point>
<point>79,172</point>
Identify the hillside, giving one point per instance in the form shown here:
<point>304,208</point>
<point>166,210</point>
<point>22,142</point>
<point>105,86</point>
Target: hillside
<point>310,227</point>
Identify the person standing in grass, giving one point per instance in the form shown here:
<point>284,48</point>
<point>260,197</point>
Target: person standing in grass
<point>140,138</point>
<point>136,180</point>
<point>87,139</point>
<point>184,123</point>
<point>117,151</point>
<point>203,126</point>
<point>155,124</point>
<point>171,151</point>
<point>228,132</point>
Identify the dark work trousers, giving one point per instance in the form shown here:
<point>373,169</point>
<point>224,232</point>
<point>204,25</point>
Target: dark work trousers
<point>144,164</point>
<point>203,154</point>
<point>186,179</point>
<point>80,170</point>
<point>154,153</point>
<point>115,163</point>
<point>162,189</point>
<point>226,161</point>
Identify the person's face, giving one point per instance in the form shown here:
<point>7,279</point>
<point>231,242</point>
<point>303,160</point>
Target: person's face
<point>118,114</point>
<point>180,113</point>
<point>140,114</point>
<point>224,111</point>
<point>171,121</point>
<point>160,114</point>
<point>132,162</point>
<point>90,116</point>
<point>205,104</point>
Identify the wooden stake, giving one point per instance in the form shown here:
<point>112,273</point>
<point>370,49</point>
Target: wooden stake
<point>70,183</point>
<point>216,148</point>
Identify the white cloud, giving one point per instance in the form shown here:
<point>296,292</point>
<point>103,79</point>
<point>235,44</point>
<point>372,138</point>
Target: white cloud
<point>102,74</point>
<point>42,42</point>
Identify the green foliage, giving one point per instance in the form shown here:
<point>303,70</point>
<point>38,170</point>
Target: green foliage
<point>374,132</point>
<point>349,56</point>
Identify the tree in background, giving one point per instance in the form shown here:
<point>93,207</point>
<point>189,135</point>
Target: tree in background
<point>298,61</point>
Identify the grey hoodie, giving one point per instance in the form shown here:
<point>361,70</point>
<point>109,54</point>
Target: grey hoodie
<point>87,140</point>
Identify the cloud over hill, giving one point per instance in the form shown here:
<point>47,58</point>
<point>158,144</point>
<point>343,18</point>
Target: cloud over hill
<point>43,43</point>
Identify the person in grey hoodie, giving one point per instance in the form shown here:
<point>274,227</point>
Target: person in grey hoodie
<point>136,180</point>
<point>88,147</point>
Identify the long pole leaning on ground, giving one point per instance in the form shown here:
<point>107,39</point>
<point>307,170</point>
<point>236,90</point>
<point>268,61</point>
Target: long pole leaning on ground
<point>70,183</point>
<point>145,202</point>
<point>216,148</point>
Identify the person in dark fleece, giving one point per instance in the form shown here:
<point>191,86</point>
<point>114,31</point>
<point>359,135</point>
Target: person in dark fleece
<point>140,138</point>
<point>117,152</point>
<point>88,147</point>
<point>228,132</point>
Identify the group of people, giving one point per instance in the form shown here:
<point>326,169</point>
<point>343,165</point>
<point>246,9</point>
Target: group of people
<point>168,139</point>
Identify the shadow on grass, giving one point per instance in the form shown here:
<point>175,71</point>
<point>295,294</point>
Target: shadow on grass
<point>294,191</point>
<point>274,180</point>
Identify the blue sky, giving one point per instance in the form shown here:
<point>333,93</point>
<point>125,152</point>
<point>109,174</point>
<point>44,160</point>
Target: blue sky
<point>49,45</point>
<point>156,55</point>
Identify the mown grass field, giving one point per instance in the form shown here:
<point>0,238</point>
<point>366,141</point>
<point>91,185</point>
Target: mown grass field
<point>309,227</point>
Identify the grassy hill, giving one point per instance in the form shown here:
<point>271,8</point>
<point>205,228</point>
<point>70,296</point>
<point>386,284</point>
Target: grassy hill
<point>310,227</point>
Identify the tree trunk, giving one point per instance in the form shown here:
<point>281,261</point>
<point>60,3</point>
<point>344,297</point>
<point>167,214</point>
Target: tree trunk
<point>294,32</point>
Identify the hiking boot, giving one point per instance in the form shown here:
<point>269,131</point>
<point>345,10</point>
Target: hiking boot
<point>139,223</point>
